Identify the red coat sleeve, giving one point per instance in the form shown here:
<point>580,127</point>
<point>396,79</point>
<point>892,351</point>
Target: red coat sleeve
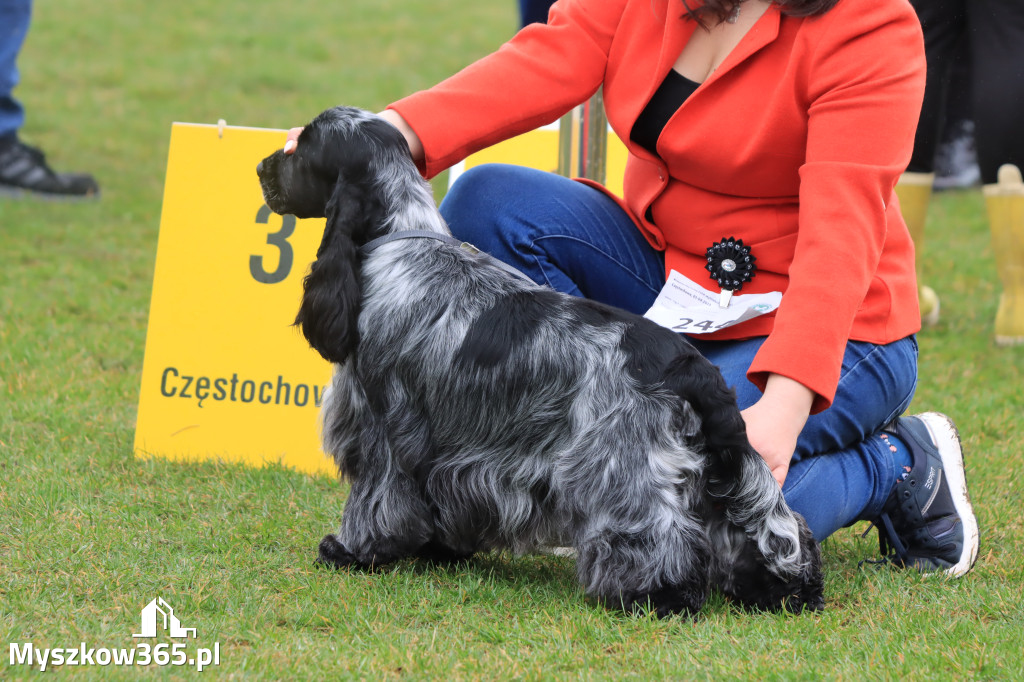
<point>543,72</point>
<point>866,83</point>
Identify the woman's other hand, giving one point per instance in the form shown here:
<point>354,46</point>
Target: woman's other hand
<point>775,421</point>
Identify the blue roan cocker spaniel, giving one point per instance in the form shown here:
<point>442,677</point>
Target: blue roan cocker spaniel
<point>473,409</point>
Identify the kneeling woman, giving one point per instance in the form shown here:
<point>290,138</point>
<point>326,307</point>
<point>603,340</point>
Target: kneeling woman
<point>783,124</point>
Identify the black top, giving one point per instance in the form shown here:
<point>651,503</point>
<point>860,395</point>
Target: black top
<point>669,96</point>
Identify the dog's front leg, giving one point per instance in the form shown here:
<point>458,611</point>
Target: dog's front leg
<point>385,519</point>
<point>332,554</point>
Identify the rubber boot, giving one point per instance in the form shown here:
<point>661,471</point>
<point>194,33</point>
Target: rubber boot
<point>915,193</point>
<point>1005,203</point>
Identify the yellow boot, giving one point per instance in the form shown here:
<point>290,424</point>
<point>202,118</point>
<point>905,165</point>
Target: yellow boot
<point>1005,203</point>
<point>915,192</point>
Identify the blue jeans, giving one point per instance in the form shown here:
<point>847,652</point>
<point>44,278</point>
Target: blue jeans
<point>14,20</point>
<point>576,240</point>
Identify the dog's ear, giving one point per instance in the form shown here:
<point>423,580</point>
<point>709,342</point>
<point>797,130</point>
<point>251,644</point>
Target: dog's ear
<point>329,312</point>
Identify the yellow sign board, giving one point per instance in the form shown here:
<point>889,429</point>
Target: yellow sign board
<point>225,374</point>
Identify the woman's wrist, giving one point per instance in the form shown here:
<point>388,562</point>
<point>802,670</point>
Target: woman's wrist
<point>775,421</point>
<point>395,119</point>
<point>789,395</point>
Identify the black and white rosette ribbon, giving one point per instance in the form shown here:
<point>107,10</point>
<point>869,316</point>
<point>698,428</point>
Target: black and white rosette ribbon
<point>731,264</point>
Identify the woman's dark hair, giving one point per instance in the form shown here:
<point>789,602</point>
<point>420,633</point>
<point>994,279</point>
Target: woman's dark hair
<point>716,11</point>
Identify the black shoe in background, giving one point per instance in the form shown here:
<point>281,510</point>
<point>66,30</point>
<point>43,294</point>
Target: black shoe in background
<point>24,172</point>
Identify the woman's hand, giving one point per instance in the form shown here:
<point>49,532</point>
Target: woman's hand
<point>292,141</point>
<point>415,146</point>
<point>775,421</point>
<point>389,115</point>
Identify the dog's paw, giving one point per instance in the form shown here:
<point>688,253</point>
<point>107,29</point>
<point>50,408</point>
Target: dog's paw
<point>805,593</point>
<point>664,602</point>
<point>439,554</point>
<point>805,601</point>
<point>671,601</point>
<point>332,554</point>
<point>810,594</point>
<point>757,588</point>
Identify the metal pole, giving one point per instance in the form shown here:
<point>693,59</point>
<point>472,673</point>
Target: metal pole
<point>568,143</point>
<point>583,141</point>
<point>596,155</point>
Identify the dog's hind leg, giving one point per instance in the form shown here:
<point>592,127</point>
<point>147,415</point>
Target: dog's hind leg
<point>640,546</point>
<point>664,573</point>
<point>736,476</point>
<point>739,481</point>
<point>740,571</point>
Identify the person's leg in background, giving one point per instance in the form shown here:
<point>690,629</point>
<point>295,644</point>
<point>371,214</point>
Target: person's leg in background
<point>15,16</point>
<point>996,32</point>
<point>956,159</point>
<point>997,54</point>
<point>23,169</point>
<point>944,24</point>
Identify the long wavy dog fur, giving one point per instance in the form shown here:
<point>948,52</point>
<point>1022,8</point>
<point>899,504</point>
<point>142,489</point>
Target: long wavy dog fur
<point>474,410</point>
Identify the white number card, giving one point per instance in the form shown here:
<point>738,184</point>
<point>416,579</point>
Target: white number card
<point>685,306</point>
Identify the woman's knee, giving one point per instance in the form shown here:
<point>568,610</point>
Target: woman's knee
<point>876,386</point>
<point>476,200</point>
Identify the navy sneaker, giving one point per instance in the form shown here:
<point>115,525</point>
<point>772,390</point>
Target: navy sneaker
<point>24,172</point>
<point>928,523</point>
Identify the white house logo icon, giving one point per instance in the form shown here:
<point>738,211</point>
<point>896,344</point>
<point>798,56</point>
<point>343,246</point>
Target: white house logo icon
<point>159,612</point>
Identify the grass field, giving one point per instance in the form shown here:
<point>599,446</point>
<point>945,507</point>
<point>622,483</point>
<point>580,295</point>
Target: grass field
<point>89,534</point>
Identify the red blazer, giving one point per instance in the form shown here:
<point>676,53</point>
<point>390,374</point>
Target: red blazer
<point>793,144</point>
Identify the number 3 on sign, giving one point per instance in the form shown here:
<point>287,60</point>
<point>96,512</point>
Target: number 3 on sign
<point>279,240</point>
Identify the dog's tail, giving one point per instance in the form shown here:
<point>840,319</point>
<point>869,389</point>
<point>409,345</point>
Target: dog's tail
<point>736,475</point>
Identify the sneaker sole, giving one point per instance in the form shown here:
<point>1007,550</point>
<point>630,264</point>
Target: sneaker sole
<point>947,439</point>
<point>11,192</point>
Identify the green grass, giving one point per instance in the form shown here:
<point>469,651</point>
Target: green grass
<point>88,534</point>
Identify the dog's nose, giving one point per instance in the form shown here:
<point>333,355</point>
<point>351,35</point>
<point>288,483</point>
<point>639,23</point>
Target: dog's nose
<point>259,168</point>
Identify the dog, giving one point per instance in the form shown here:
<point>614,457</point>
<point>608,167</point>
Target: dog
<point>472,409</point>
